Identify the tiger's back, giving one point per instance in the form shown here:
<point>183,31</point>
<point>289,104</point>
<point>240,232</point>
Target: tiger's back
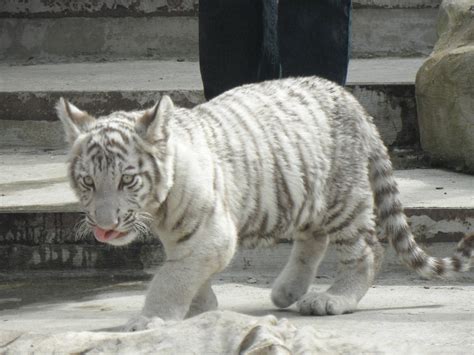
<point>278,148</point>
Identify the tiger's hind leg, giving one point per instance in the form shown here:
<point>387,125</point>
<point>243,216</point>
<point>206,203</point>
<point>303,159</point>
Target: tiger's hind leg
<point>300,270</point>
<point>358,254</point>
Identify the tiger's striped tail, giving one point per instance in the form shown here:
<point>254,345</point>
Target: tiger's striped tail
<point>393,222</point>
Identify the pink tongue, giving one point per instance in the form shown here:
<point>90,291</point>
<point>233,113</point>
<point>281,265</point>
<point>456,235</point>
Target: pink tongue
<point>103,235</point>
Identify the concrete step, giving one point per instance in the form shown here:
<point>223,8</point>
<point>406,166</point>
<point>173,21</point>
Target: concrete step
<point>134,8</point>
<point>39,212</point>
<point>28,94</point>
<point>95,30</point>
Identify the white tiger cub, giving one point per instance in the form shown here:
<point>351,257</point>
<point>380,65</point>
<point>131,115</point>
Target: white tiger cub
<point>295,158</point>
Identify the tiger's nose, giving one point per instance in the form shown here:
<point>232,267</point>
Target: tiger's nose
<point>106,219</point>
<point>107,227</point>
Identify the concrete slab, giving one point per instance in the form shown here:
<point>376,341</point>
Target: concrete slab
<point>380,32</point>
<point>28,93</point>
<point>397,4</point>
<point>170,75</point>
<point>26,40</point>
<point>99,8</point>
<point>398,314</point>
<point>424,188</point>
<point>37,182</point>
<point>383,71</point>
<point>131,75</point>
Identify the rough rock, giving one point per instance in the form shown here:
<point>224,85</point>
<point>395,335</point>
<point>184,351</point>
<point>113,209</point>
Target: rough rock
<point>209,333</point>
<point>445,89</point>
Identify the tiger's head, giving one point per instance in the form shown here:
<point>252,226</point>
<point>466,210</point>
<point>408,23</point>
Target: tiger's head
<point>120,166</point>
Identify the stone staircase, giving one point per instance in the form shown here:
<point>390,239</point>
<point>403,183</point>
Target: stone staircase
<point>98,30</point>
<point>106,55</point>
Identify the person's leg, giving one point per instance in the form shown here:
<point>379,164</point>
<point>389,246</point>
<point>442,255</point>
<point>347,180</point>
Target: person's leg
<point>230,34</point>
<point>245,41</point>
<point>314,38</point>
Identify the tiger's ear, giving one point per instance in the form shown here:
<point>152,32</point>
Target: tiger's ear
<point>74,120</point>
<point>149,125</point>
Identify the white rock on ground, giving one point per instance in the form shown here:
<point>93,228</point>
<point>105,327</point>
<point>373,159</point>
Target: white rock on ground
<point>218,332</point>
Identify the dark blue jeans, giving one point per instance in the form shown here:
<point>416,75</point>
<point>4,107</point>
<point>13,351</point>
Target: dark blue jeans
<point>244,41</point>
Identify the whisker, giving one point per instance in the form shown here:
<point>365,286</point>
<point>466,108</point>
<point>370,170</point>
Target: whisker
<point>144,216</point>
<point>82,228</point>
<point>141,224</point>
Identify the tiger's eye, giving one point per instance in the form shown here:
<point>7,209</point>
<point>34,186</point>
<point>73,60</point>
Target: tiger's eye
<point>88,181</point>
<point>127,179</point>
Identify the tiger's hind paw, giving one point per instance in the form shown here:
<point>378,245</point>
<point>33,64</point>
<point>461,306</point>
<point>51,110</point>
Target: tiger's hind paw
<point>323,303</point>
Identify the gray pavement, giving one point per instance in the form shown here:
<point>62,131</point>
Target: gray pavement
<point>122,75</point>
<point>169,75</point>
<point>383,71</point>
<point>399,315</point>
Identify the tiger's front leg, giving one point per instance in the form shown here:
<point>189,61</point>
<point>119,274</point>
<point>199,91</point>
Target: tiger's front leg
<point>175,285</point>
<point>205,300</point>
<point>189,265</point>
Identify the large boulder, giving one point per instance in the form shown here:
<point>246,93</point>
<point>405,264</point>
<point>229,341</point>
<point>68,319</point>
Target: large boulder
<point>445,89</point>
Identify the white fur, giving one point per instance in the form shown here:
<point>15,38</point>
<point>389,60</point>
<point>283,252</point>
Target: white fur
<point>296,158</point>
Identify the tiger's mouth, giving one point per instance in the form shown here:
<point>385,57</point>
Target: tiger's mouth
<point>105,236</point>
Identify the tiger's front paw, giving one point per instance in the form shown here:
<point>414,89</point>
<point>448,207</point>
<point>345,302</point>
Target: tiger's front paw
<point>142,323</point>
